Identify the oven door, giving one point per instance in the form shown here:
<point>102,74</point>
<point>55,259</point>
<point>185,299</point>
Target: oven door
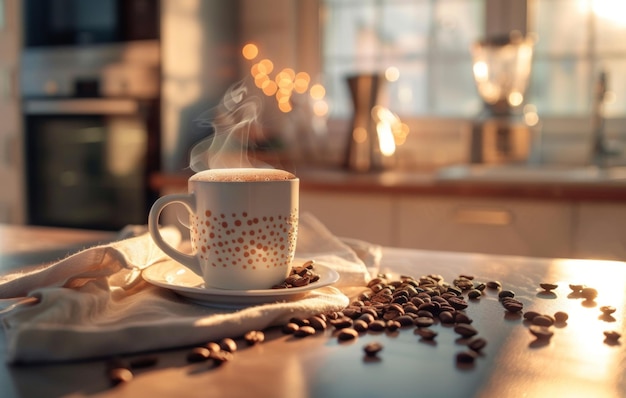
<point>87,163</point>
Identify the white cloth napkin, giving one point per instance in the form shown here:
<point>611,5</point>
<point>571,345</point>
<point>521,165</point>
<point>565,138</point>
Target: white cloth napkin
<point>96,304</point>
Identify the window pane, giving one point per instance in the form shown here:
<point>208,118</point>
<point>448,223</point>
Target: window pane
<point>407,95</point>
<point>459,23</point>
<point>349,29</point>
<point>611,32</point>
<point>616,86</point>
<point>560,87</point>
<point>455,91</point>
<point>405,26</point>
<point>562,26</point>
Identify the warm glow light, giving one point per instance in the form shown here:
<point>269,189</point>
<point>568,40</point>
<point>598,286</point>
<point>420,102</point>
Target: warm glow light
<point>481,71</point>
<point>285,107</point>
<point>317,91</point>
<point>260,79</point>
<point>269,88</point>
<point>392,74</point>
<point>254,70</point>
<point>385,138</point>
<point>283,96</point>
<point>611,10</point>
<point>301,84</point>
<point>516,98</point>
<point>250,51</point>
<point>266,66</point>
<point>320,108</point>
<point>530,115</point>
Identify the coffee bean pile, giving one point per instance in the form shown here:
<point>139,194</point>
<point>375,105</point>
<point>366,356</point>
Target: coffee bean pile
<point>299,276</point>
<point>387,305</point>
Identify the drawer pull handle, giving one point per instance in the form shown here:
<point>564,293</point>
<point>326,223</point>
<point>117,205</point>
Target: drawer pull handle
<point>483,216</point>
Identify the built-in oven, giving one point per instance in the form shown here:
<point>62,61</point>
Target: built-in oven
<point>88,161</point>
<point>91,117</point>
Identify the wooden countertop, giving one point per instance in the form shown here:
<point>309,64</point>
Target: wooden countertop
<point>575,362</point>
<point>427,183</point>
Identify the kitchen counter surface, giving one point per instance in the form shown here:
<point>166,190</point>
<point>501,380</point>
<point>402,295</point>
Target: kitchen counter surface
<point>576,362</point>
<point>554,183</point>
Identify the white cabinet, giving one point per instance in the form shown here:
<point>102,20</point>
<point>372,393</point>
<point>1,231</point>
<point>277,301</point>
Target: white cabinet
<point>362,216</point>
<point>601,231</point>
<point>497,226</point>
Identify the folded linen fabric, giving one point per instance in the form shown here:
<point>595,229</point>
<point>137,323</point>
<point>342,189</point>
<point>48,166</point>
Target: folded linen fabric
<point>96,304</point>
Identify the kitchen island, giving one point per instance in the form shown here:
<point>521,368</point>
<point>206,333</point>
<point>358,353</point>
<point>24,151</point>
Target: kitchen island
<point>577,361</point>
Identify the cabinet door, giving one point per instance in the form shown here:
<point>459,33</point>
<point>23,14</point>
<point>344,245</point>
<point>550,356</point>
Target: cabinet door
<point>527,228</point>
<point>601,231</point>
<point>11,174</point>
<point>367,217</point>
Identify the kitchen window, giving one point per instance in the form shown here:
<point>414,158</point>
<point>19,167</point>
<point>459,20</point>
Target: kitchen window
<point>426,45</point>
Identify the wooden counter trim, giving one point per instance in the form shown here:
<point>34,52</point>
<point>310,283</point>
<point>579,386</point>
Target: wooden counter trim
<point>424,186</point>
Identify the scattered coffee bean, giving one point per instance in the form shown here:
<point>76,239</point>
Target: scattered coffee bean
<point>317,323</point>
<point>589,293</point>
<point>299,321</point>
<point>474,294</point>
<point>548,286</point>
<point>198,354</point>
<point>612,335</point>
<point>254,337</point>
<point>505,294</point>
<point>465,357</point>
<point>290,328</point>
<point>446,317</point>
<point>465,330</point>
<point>607,309</point>
<point>360,326</point>
<point>119,376</point>
<point>229,345</point>
<point>512,305</point>
<point>461,317</point>
<point>340,323</point>
<point>494,285</point>
<point>377,326</point>
<point>477,344</point>
<point>347,334</point>
<point>372,349</point>
<point>543,320</point>
<point>423,321</point>
<point>530,315</point>
<point>541,332</point>
<point>480,286</point>
<point>576,288</point>
<point>213,346</point>
<point>394,325</point>
<point>304,331</point>
<point>221,357</point>
<point>561,317</point>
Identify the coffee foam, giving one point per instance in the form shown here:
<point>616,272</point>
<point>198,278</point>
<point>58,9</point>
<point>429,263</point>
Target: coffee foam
<point>242,175</point>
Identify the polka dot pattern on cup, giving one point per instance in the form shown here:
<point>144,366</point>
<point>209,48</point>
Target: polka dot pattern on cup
<point>244,241</point>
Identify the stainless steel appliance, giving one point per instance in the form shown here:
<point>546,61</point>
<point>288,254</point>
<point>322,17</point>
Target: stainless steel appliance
<point>91,121</point>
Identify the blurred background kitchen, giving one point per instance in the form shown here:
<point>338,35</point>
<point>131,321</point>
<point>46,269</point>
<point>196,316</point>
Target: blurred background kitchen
<point>493,126</point>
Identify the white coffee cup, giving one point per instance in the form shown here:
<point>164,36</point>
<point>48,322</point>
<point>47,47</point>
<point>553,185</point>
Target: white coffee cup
<point>243,226</point>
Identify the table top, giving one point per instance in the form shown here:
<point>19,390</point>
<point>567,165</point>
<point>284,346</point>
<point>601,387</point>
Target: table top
<point>576,361</point>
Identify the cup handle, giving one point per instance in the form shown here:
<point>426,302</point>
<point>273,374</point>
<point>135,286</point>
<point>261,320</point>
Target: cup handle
<point>187,200</point>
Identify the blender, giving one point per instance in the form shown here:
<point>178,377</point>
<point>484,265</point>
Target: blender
<point>502,133</point>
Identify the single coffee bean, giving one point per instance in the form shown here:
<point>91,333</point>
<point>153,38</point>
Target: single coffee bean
<point>589,293</point>
<point>423,321</point>
<point>543,320</point>
<point>304,331</point>
<point>393,325</point>
<point>446,317</point>
<point>299,321</point>
<point>458,303</point>
<point>465,357</point>
<point>145,361</point>
<point>341,323</point>
<point>254,337</point>
<point>505,293</point>
<point>198,354</point>
<point>465,276</point>
<point>612,335</point>
<point>530,315</point>
<point>378,325</point>
<point>465,330</point>
<point>548,286</point>
<point>541,332</point>
<point>576,288</point>
<point>290,328</point>
<point>404,320</point>
<point>119,376</point>
<point>480,286</point>
<point>461,317</point>
<point>426,333</point>
<point>607,309</point>
<point>360,326</point>
<point>477,344</point>
<point>347,334</point>
<point>372,349</point>
<point>227,344</point>
<point>352,312</point>
<point>213,346</point>
<point>561,317</point>
<point>494,285</point>
<point>513,305</point>
<point>474,294</point>
<point>317,323</point>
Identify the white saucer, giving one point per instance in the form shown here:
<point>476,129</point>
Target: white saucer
<point>176,277</point>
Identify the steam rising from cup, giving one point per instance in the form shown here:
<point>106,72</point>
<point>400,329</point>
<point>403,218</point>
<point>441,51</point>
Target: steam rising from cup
<point>236,126</point>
